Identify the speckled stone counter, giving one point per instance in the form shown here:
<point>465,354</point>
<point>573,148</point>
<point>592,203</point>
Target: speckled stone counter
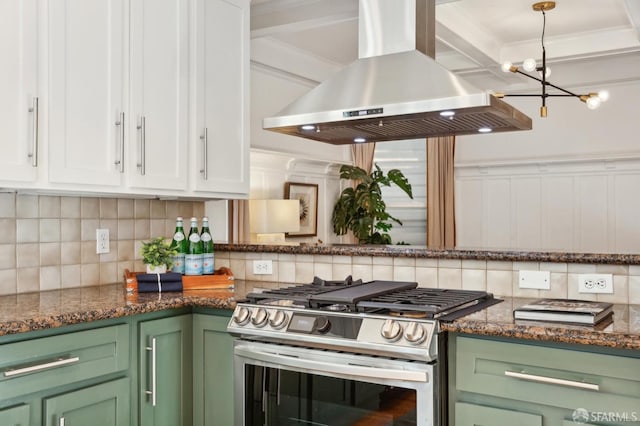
<point>423,252</point>
<point>497,320</point>
<point>51,309</point>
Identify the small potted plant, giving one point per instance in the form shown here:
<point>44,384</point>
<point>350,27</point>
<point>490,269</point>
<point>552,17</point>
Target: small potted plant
<point>157,254</point>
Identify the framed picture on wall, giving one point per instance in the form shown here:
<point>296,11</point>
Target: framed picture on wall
<point>307,194</point>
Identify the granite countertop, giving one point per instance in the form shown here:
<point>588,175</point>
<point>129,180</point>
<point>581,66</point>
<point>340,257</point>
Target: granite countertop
<point>50,309</point>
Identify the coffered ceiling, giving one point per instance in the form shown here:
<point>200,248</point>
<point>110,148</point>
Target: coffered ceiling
<point>588,42</point>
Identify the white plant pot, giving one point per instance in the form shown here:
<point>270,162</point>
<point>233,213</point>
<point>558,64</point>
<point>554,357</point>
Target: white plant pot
<point>156,269</point>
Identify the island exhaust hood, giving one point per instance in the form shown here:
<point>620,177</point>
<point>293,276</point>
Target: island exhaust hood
<point>394,91</point>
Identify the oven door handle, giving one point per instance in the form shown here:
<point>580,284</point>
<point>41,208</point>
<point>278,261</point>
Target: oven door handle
<point>328,367</point>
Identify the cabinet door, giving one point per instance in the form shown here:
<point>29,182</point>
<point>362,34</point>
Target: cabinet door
<point>478,415</point>
<point>159,90</point>
<point>221,161</point>
<point>86,71</point>
<point>18,89</point>
<point>212,371</point>
<point>165,372</point>
<point>106,404</point>
<point>15,416</point>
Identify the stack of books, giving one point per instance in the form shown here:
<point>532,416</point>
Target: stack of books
<point>565,310</point>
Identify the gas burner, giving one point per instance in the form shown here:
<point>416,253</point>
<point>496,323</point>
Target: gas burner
<point>336,283</point>
<point>337,307</point>
<point>408,314</point>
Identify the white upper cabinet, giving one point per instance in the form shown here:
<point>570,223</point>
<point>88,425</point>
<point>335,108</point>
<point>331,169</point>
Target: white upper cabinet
<point>220,160</point>
<point>160,94</point>
<point>86,102</point>
<point>18,91</point>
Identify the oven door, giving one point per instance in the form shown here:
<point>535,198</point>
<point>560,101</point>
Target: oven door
<point>285,385</point>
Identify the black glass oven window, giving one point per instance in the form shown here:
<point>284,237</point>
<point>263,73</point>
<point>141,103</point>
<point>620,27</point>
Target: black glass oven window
<point>287,398</point>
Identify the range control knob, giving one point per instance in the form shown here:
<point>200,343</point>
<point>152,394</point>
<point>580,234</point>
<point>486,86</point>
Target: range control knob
<point>259,317</point>
<point>321,325</point>
<point>391,330</point>
<point>415,333</point>
<point>278,319</point>
<point>241,316</point>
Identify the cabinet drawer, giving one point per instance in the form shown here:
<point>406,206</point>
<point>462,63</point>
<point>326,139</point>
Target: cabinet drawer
<point>550,376</point>
<point>478,415</point>
<point>34,365</point>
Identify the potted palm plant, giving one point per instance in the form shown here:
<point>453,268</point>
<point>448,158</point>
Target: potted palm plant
<point>157,255</point>
<point>360,209</point>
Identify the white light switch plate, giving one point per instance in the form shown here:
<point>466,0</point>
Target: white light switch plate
<point>540,280</point>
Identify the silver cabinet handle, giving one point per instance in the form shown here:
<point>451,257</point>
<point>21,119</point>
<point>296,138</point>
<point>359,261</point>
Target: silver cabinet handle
<point>120,161</point>
<point>61,422</point>
<point>205,150</point>
<point>143,141</point>
<point>154,381</point>
<point>552,380</point>
<point>35,107</point>
<point>39,367</point>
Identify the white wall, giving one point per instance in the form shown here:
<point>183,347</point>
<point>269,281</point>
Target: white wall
<point>570,184</point>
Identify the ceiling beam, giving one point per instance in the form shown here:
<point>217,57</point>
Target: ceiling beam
<point>632,8</point>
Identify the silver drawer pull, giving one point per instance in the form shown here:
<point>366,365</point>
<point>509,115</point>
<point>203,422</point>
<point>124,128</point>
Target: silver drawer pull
<point>62,422</point>
<point>552,380</point>
<point>39,367</point>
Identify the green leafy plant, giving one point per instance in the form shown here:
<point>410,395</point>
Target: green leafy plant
<point>362,210</point>
<point>157,252</point>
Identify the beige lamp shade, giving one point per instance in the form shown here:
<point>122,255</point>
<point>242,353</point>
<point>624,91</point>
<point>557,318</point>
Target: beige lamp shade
<point>269,217</point>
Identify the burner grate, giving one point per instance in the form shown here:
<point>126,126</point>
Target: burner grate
<point>303,293</point>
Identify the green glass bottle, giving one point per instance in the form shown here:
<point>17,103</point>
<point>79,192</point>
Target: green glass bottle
<point>207,247</point>
<point>181,244</point>
<point>193,258</point>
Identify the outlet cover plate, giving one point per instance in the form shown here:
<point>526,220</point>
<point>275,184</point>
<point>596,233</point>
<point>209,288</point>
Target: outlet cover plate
<point>540,280</point>
<point>102,241</point>
<point>262,267</point>
<point>595,283</point>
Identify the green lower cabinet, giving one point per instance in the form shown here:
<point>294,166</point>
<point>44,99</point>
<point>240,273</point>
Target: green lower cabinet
<point>478,415</point>
<point>15,416</point>
<point>213,371</point>
<point>106,404</point>
<point>164,382</point>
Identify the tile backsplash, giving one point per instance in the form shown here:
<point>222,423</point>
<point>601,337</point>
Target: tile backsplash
<point>497,277</point>
<point>49,242</point>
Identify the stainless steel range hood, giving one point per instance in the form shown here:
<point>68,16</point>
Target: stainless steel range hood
<point>393,91</point>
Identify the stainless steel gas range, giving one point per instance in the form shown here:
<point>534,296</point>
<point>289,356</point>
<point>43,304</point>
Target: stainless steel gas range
<point>344,353</point>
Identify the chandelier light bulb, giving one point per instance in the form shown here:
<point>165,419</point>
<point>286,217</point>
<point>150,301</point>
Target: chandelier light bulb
<point>593,102</point>
<point>546,74</point>
<point>603,95</point>
<point>529,64</point>
<point>506,66</point>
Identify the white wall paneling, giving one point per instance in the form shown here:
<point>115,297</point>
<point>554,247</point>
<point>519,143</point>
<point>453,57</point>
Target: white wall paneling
<point>585,205</point>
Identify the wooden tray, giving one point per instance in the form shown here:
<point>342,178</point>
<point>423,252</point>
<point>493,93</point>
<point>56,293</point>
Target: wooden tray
<point>222,278</point>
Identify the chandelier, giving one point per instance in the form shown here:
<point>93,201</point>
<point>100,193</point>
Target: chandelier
<point>592,99</point>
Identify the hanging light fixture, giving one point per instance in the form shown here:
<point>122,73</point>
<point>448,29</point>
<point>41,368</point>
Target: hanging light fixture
<point>592,99</point>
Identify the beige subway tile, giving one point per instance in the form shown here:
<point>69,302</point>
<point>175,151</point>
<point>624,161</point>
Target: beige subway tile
<point>499,265</point>
<point>526,266</point>
<point>27,230</point>
<point>474,279</point>
<point>427,277</point>
<point>362,260</point>
<point>141,229</point>
<point>304,258</point>
<point>89,208</point>
<point>286,257</point>
<point>127,264</point>
<point>138,265</point>
<point>7,231</point>
<point>125,208</point>
<point>612,269</point>
<point>26,255</point>
<point>185,209</point>
<point>499,282</point>
<point>423,262</point>
<point>620,291</point>
<point>112,226</point>
<point>172,210</point>
<point>156,229</point>
<point>450,263</point>
<point>287,271</point>
<point>362,272</point>
<point>382,272</point>
<point>7,256</point>
<point>142,209</point>
<point>581,268</point>
<point>109,273</point>
<point>70,253</point>
<point>88,229</point>
<point>324,271</point>
<point>474,264</point>
<point>28,280</point>
<point>49,206</point>
<point>553,267</point>
<point>8,205</point>
<point>341,259</point>
<point>50,278</point>
<point>70,207</point>
<point>223,255</point>
<point>49,230</point>
<point>219,262</point>
<point>248,272</point>
<point>70,230</point>
<point>404,262</point>
<point>449,278</point>
<point>108,208</point>
<point>8,281</point>
<point>49,254</point>
<point>253,256</point>
<point>559,286</point>
<point>125,250</point>
<point>126,229</point>
<point>158,209</point>
<point>382,261</point>
<point>304,272</point>
<point>572,288</point>
<point>634,289</point>
<point>237,266</point>
<point>89,274</point>
<point>169,227</point>
<point>322,259</point>
<point>634,269</point>
<point>70,276</point>
<point>341,271</point>
<point>137,245</point>
<point>275,275</point>
<point>198,209</point>
<point>238,255</point>
<point>404,273</point>
<point>88,252</point>
<point>27,206</point>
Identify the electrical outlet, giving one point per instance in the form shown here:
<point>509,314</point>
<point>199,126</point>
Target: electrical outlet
<point>262,267</point>
<point>102,241</point>
<point>595,283</point>
<point>534,279</point>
